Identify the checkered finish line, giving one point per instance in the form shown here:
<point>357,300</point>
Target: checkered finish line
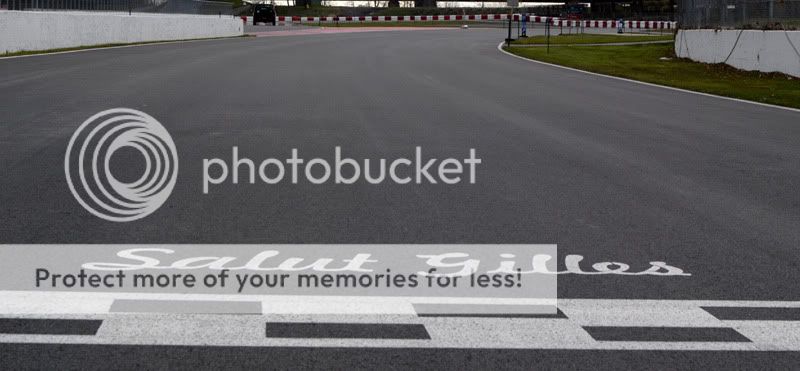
<point>558,22</point>
<point>325,321</point>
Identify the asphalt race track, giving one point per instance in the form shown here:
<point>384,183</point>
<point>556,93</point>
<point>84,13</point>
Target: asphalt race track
<point>607,169</point>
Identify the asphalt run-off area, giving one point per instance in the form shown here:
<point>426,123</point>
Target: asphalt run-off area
<point>615,173</point>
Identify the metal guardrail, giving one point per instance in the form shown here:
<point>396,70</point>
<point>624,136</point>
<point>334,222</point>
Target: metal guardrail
<point>139,6</point>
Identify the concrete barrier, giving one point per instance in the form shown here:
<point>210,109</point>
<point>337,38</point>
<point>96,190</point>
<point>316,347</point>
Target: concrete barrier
<point>751,50</point>
<point>53,30</point>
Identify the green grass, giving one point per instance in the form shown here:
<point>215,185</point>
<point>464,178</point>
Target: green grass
<point>643,63</point>
<point>591,39</point>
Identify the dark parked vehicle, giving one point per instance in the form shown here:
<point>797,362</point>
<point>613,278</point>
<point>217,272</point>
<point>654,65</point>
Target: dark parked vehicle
<point>264,13</point>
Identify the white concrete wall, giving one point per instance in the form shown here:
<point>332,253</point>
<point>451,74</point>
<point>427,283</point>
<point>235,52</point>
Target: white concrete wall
<point>767,51</point>
<point>53,30</point>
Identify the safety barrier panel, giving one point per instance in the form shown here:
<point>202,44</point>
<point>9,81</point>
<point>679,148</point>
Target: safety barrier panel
<point>554,21</point>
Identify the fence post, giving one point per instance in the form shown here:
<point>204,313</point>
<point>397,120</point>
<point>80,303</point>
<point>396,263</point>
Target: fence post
<point>547,31</point>
<point>508,40</point>
<point>771,14</point>
<point>744,12</point>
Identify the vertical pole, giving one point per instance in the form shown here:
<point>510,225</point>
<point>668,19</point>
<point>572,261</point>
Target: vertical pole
<point>744,12</point>
<point>547,31</point>
<point>771,14</point>
<point>672,10</point>
<point>508,39</point>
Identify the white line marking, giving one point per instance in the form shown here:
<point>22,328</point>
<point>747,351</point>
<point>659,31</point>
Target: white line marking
<point>637,313</point>
<point>61,302</point>
<point>769,334</point>
<point>31,302</point>
<point>500,48</point>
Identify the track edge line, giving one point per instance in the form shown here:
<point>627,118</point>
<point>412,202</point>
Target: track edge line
<point>500,48</point>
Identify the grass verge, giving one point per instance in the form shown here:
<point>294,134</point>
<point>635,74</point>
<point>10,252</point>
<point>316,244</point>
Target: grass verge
<point>591,39</point>
<point>644,63</point>
<point>100,46</point>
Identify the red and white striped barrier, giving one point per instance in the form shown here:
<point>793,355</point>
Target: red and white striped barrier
<point>481,17</point>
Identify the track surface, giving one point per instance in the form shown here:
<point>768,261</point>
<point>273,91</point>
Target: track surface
<point>607,169</point>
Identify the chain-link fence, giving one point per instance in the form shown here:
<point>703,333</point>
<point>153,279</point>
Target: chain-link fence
<point>739,14</point>
<point>141,6</point>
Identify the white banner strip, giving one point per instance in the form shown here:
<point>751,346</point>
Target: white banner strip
<point>642,25</point>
